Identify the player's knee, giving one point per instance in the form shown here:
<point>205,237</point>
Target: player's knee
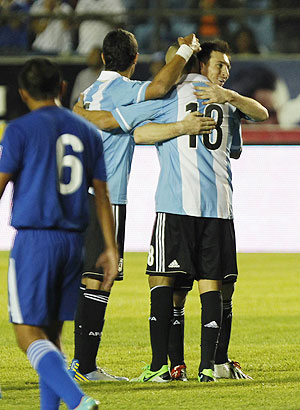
<point>227,290</point>
<point>206,285</point>
<point>160,281</point>
<point>179,297</point>
<point>91,283</point>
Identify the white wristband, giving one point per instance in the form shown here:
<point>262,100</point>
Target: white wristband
<point>185,52</point>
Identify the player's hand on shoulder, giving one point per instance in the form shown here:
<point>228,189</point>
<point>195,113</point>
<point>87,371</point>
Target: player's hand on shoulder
<point>192,41</point>
<point>211,93</point>
<point>79,107</point>
<point>195,123</point>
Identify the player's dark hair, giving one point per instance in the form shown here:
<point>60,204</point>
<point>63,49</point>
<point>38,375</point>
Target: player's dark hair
<point>119,50</point>
<point>41,78</point>
<point>209,46</point>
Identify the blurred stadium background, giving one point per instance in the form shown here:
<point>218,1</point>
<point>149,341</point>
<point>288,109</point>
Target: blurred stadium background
<point>264,37</point>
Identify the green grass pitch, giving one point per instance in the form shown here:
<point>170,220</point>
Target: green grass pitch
<point>265,340</point>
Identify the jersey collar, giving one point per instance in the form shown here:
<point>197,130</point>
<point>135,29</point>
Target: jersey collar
<point>196,77</point>
<point>108,75</point>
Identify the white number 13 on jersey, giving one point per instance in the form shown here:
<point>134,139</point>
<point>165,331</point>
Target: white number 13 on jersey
<point>69,161</point>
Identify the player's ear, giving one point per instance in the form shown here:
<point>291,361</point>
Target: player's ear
<point>201,67</point>
<point>63,88</point>
<point>24,95</point>
<point>136,58</point>
<point>103,59</point>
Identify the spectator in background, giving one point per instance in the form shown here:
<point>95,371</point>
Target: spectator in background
<point>145,27</point>
<point>244,41</point>
<point>212,26</point>
<point>208,28</point>
<point>157,30</point>
<point>52,36</point>
<point>92,32</point>
<point>13,30</point>
<point>289,114</point>
<point>262,84</point>
<point>182,25</point>
<point>287,26</point>
<point>87,76</point>
<point>261,24</point>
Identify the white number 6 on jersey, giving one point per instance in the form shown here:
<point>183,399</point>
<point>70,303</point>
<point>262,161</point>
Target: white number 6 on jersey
<point>69,161</point>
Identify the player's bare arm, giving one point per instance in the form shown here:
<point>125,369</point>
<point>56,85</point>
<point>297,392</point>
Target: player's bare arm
<point>213,93</point>
<point>161,84</point>
<point>104,120</point>
<point>109,258</point>
<point>4,179</point>
<point>168,75</point>
<point>193,124</point>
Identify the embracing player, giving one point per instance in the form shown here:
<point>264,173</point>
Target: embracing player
<point>113,88</point>
<point>193,236</point>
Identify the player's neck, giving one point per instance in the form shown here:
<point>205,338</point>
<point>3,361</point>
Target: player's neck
<point>126,73</point>
<point>35,104</point>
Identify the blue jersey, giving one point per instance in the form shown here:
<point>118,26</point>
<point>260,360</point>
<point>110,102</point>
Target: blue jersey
<point>195,177</point>
<point>108,92</point>
<point>53,155</point>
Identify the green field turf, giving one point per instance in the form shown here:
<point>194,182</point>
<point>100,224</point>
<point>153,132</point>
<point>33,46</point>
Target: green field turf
<point>265,340</point>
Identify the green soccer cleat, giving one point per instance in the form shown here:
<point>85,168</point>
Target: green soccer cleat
<point>160,376</point>
<point>206,376</point>
<point>87,403</point>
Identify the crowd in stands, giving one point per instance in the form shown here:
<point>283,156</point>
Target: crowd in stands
<point>54,26</point>
<point>25,25</point>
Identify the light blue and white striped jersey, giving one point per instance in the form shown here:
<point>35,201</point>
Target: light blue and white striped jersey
<point>108,92</point>
<point>195,177</point>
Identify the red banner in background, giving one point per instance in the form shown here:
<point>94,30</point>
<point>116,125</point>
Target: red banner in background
<point>270,135</point>
<point>253,135</point>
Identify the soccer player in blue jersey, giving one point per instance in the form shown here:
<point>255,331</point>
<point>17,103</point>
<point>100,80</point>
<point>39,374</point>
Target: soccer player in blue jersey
<point>111,89</point>
<point>193,236</point>
<point>52,156</point>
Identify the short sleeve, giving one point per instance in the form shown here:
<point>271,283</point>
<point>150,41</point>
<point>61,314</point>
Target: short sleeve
<point>11,150</point>
<point>131,116</point>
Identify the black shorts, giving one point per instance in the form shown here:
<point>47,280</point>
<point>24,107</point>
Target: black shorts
<point>196,247</point>
<point>94,241</point>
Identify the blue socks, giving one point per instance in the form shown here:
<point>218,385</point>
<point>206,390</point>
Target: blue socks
<point>55,381</point>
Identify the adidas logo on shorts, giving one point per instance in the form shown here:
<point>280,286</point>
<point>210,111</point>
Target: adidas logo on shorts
<point>174,264</point>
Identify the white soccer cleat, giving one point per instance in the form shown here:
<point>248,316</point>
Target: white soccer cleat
<point>230,370</point>
<point>102,376</point>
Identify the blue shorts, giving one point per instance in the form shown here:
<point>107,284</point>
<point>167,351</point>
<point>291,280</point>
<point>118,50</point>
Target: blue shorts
<point>44,276</point>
